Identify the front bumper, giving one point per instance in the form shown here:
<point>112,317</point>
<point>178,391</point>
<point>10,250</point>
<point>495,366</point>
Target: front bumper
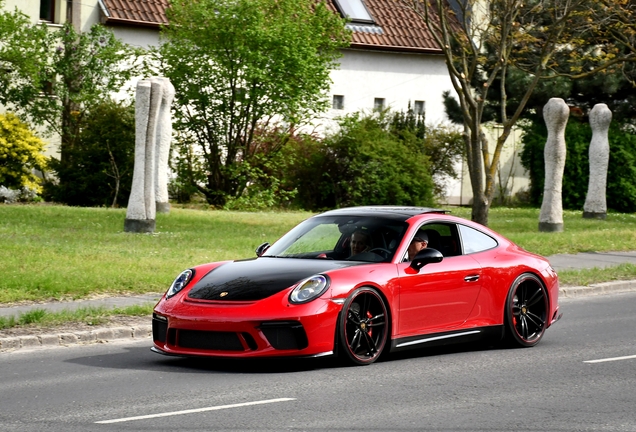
<point>267,328</point>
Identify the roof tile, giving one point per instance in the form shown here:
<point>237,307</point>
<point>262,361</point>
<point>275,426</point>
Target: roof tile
<point>140,12</point>
<point>396,27</point>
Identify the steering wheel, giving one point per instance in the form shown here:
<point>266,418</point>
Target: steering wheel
<point>385,253</point>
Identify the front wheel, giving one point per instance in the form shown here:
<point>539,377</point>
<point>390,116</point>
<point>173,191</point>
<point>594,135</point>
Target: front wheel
<point>364,326</point>
<point>526,312</point>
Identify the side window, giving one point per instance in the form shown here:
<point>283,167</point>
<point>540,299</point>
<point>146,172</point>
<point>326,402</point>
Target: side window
<point>475,241</point>
<point>442,237</point>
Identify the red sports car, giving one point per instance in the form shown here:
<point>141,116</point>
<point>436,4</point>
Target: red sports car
<point>359,282</point>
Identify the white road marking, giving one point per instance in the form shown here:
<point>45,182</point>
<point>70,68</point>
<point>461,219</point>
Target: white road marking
<point>611,359</point>
<point>197,410</point>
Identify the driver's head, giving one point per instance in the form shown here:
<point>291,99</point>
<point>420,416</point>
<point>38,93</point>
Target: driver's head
<point>417,244</point>
<point>360,242</point>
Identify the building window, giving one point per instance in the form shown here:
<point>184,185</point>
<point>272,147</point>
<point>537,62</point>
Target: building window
<point>419,107</point>
<point>47,10</point>
<point>47,88</point>
<point>354,10</point>
<point>338,102</point>
<point>378,104</point>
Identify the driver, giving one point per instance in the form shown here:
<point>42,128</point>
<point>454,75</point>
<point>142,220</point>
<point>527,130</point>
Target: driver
<point>418,243</point>
<point>360,242</point>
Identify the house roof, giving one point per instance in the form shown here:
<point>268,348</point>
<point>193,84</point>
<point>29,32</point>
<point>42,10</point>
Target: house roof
<point>150,13</point>
<point>395,27</point>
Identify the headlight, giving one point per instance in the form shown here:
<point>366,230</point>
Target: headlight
<point>309,289</point>
<point>180,282</point>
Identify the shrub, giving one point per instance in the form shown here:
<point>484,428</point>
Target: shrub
<point>363,163</point>
<point>98,170</point>
<point>20,154</point>
<point>621,175</point>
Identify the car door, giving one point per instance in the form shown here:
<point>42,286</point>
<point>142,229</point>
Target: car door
<point>439,297</point>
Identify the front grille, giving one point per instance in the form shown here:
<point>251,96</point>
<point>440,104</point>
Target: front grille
<point>285,335</point>
<point>209,340</point>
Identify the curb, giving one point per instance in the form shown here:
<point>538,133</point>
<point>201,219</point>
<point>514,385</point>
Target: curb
<point>111,334</point>
<point>598,289</point>
<point>101,335</point>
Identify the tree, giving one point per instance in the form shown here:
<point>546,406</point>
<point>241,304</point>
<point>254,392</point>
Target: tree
<point>103,159</point>
<point>241,65</point>
<point>483,42</point>
<point>64,75</point>
<point>23,56</point>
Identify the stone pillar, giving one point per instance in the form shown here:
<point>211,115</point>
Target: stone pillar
<point>153,130</point>
<point>595,201</point>
<point>137,217</point>
<point>555,115</point>
<point>164,136</point>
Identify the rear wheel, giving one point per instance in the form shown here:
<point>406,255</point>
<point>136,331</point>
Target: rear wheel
<point>363,326</point>
<point>526,311</point>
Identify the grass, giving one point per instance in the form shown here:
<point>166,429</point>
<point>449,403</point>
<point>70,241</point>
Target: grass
<point>50,252</point>
<point>89,316</point>
<point>63,253</point>
<point>616,233</point>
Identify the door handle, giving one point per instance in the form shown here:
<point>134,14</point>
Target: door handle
<point>471,278</point>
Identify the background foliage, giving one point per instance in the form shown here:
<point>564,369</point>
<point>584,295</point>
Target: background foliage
<point>366,161</point>
<point>621,176</point>
<point>56,78</point>
<point>239,67</point>
<point>23,53</point>
<point>20,154</point>
<point>103,160</point>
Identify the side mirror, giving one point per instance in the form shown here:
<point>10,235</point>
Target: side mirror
<point>426,256</point>
<point>261,249</point>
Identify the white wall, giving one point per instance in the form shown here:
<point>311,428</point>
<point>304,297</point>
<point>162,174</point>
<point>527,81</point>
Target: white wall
<point>396,77</point>
<point>511,179</point>
<point>142,37</point>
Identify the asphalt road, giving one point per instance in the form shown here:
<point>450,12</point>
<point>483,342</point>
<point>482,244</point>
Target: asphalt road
<point>551,387</point>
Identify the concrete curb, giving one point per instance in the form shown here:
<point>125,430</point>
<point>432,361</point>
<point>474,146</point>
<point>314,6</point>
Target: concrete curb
<point>597,289</point>
<point>100,335</point>
<point>111,334</point>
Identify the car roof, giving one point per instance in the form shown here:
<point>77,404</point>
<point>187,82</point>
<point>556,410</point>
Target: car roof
<point>394,212</point>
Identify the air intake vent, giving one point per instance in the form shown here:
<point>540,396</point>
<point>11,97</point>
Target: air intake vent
<point>207,340</point>
<point>285,335</point>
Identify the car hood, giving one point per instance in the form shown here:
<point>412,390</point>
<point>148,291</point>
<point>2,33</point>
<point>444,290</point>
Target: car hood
<point>258,278</point>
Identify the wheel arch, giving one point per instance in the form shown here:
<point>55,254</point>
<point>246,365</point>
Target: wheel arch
<point>510,286</point>
<point>388,304</point>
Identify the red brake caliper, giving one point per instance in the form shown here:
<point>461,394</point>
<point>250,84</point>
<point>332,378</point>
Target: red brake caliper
<point>370,329</point>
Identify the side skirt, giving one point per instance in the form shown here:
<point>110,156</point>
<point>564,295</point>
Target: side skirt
<point>447,338</point>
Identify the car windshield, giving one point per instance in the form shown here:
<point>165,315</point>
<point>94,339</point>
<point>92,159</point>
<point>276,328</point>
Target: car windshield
<point>356,238</point>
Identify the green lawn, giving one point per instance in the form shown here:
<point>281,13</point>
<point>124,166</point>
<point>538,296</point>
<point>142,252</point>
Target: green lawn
<point>57,252</point>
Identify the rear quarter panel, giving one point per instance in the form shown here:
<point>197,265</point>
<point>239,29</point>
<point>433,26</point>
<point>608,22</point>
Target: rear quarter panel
<point>501,266</point>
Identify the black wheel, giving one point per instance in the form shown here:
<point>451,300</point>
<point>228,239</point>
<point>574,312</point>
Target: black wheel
<point>526,311</point>
<point>364,326</point>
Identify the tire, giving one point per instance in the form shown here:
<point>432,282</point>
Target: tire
<point>526,313</point>
<point>364,326</point>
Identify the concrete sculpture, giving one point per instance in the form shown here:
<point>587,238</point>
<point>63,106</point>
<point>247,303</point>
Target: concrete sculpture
<point>164,136</point>
<point>153,128</point>
<point>595,201</point>
<point>555,115</point>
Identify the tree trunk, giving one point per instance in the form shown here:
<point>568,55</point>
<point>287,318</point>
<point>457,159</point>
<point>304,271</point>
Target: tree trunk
<point>481,203</point>
<point>481,206</point>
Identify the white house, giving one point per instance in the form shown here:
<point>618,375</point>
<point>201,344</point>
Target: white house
<point>393,60</point>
